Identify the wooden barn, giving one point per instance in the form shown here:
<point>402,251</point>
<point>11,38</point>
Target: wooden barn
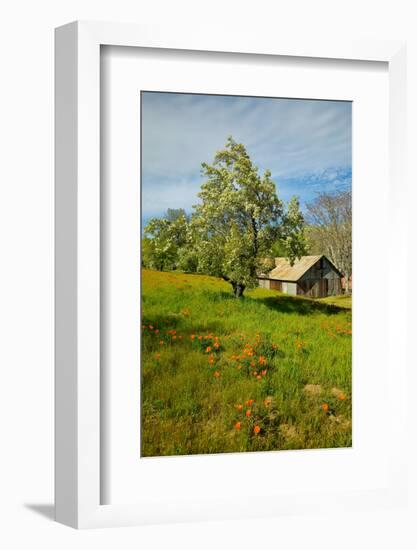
<point>313,276</point>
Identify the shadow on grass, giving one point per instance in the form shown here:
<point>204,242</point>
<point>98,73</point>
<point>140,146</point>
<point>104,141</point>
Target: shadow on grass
<point>281,302</point>
<point>300,306</point>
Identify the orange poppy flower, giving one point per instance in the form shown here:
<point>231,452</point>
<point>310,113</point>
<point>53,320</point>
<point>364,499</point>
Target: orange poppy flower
<point>262,360</point>
<point>325,407</point>
<point>239,406</point>
<point>249,402</point>
<point>216,373</point>
<point>341,396</point>
<point>259,377</point>
<point>238,425</point>
<point>208,349</point>
<point>156,331</point>
<point>151,327</point>
<point>256,429</point>
<point>192,336</point>
<point>248,413</point>
<point>263,372</point>
<point>216,345</point>
<point>267,402</point>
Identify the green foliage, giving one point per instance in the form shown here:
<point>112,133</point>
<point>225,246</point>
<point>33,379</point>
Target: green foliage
<point>147,253</point>
<point>304,347</point>
<point>163,239</point>
<point>173,214</point>
<point>239,219</point>
<point>293,237</point>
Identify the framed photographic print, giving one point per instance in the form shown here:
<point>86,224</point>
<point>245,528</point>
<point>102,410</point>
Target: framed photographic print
<point>213,349</point>
<point>234,359</point>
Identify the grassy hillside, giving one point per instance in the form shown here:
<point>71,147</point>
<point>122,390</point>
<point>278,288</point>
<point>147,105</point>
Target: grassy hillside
<point>344,301</point>
<point>220,374</point>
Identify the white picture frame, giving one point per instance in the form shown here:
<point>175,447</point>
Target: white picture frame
<point>77,242</point>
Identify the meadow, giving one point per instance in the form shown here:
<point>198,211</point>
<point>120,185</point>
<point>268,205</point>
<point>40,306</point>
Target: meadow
<point>219,374</point>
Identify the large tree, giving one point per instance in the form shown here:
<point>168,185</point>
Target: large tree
<point>239,219</point>
<point>330,229</point>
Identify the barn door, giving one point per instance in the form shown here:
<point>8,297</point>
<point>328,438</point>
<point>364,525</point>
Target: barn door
<point>323,288</point>
<point>276,285</point>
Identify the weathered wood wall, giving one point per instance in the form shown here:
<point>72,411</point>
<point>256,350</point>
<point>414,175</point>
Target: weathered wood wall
<point>264,283</point>
<point>319,281</point>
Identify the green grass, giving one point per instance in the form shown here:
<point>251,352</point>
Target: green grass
<point>193,397</point>
<point>340,301</point>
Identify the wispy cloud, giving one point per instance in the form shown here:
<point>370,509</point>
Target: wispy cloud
<point>306,144</point>
<point>308,185</point>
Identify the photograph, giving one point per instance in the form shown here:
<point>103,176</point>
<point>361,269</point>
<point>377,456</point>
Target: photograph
<point>246,273</point>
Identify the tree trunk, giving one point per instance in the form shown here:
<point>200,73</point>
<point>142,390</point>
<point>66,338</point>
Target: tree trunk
<point>238,289</point>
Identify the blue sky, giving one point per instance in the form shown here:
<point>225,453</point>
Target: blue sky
<point>306,144</point>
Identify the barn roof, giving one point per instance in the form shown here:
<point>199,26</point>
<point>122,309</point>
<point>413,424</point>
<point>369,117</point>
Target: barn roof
<point>284,271</point>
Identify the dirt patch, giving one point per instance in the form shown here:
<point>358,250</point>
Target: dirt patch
<point>341,421</point>
<point>312,389</point>
<point>338,393</point>
<point>290,432</point>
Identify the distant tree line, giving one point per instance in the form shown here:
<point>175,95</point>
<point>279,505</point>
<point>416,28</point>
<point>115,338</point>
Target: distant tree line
<point>329,229</point>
